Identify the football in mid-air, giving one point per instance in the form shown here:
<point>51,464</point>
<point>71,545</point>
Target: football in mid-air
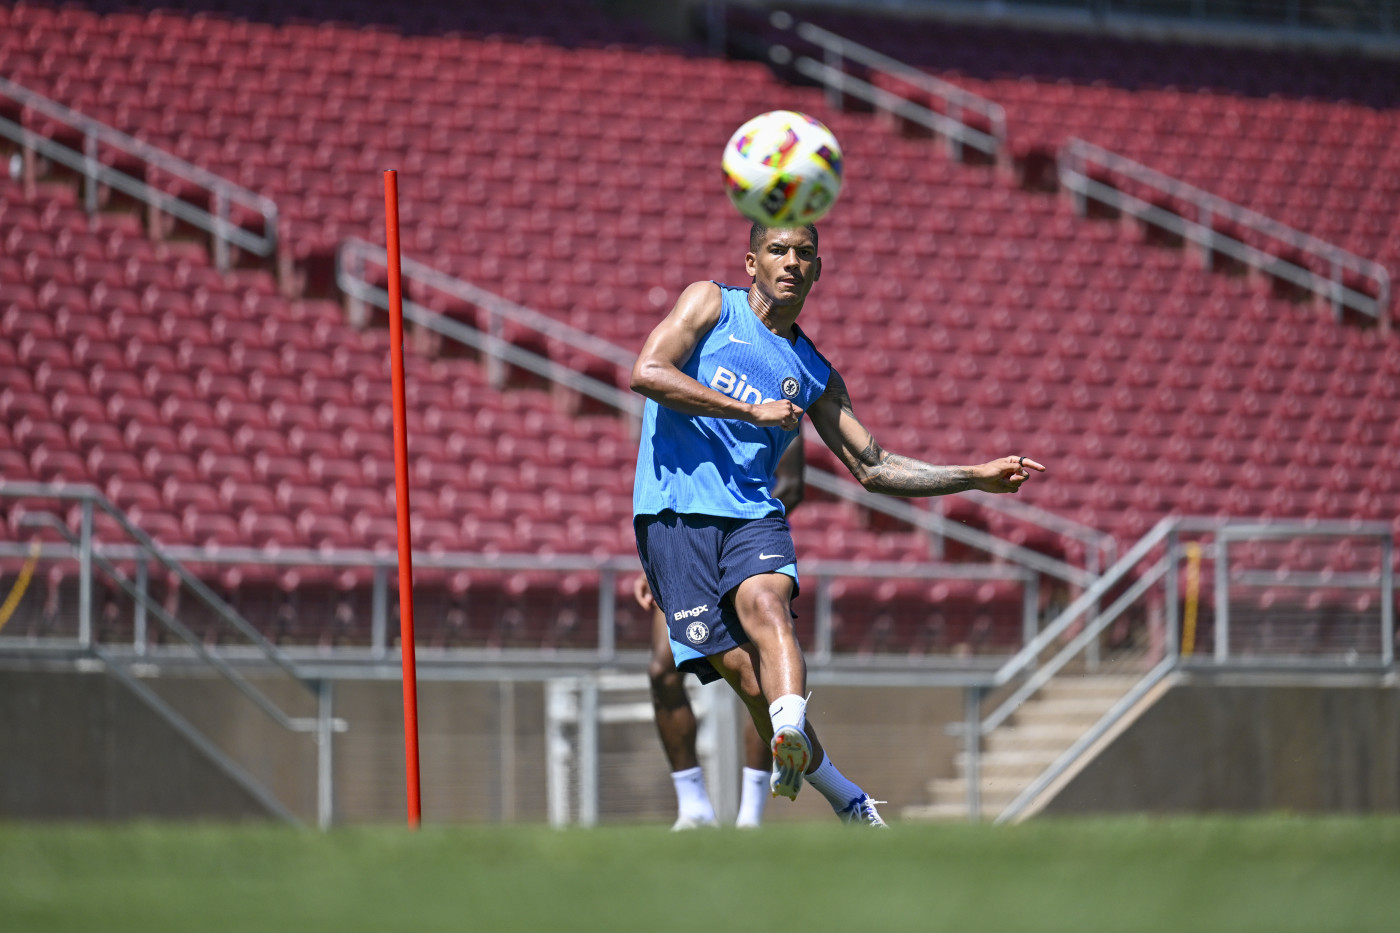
<point>783,168</point>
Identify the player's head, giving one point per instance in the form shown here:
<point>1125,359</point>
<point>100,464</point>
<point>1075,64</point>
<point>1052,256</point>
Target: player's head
<point>783,262</point>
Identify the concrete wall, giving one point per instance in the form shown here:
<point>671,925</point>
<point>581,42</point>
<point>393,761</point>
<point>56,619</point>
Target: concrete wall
<point>83,747</point>
<point>1237,747</point>
<point>79,746</point>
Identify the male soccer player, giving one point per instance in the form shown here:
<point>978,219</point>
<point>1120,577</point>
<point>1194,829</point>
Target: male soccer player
<point>728,376</point>
<point>675,720</point>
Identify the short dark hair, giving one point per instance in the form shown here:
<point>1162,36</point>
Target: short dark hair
<point>760,230</point>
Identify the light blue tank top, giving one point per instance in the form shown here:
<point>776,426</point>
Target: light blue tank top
<point>718,466</point>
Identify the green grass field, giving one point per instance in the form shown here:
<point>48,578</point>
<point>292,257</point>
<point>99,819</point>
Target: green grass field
<point>1273,874</point>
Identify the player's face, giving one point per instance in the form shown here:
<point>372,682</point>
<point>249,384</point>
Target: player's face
<point>785,266</point>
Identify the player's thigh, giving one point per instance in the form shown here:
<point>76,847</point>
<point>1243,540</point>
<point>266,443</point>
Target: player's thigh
<point>764,600</point>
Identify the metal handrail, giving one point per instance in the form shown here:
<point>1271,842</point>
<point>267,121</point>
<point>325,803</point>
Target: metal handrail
<point>199,740</point>
<point>837,80</point>
<point>224,193</point>
<point>355,254</point>
<point>146,546</point>
<point>1077,155</point>
<point>838,49</point>
<point>1025,664</point>
<point>1086,741</point>
<point>241,683</point>
<point>469,560</point>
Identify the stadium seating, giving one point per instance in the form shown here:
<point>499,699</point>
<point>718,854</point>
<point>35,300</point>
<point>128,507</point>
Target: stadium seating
<point>1310,139</point>
<point>971,318</point>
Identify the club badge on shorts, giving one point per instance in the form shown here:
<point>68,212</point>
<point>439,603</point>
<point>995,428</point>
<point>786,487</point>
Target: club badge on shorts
<point>697,632</point>
<point>790,387</point>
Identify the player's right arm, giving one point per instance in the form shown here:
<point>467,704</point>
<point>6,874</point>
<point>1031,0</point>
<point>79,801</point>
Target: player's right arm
<point>657,372</point>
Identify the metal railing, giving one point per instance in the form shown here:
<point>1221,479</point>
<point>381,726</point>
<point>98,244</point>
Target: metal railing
<point>831,72</point>
<point>96,137</point>
<point>1356,25</point>
<point>82,546</point>
<point>1156,559</point>
<point>356,257</point>
<point>1077,162</point>
<point>818,574</point>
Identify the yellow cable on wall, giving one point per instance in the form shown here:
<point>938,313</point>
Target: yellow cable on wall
<point>26,573</point>
<point>1193,599</point>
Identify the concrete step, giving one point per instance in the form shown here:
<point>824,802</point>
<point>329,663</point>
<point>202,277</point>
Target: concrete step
<point>1088,686</point>
<point>995,794</point>
<point>1065,707</point>
<point>1015,764</point>
<point>1047,735</point>
<point>935,813</point>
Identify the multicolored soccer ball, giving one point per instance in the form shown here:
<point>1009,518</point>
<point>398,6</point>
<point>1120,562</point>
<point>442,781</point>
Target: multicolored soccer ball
<point>783,168</point>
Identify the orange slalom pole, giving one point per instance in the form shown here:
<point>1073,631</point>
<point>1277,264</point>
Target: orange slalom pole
<point>406,644</point>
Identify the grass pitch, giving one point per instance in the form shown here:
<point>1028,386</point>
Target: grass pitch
<point>1183,875</point>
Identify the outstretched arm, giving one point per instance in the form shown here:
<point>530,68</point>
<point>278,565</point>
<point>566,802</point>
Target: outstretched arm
<point>891,474</point>
<point>657,372</point>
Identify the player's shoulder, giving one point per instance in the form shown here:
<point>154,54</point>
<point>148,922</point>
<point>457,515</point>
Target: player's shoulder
<point>705,292</point>
<point>701,301</point>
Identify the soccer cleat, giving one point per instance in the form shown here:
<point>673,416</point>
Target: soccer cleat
<point>689,822</point>
<point>862,810</point>
<point>791,752</point>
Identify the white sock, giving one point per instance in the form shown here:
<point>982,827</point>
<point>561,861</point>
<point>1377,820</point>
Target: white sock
<point>691,799</point>
<point>754,795</point>
<point>838,789</point>
<point>789,710</point>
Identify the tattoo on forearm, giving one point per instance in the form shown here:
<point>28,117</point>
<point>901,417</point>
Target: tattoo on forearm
<point>904,476</point>
<point>892,474</point>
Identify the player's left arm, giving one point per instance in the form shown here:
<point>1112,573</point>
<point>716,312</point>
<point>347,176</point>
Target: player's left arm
<point>880,471</point>
<point>790,486</point>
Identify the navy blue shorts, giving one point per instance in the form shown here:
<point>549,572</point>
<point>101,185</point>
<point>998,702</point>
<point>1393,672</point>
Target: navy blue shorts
<point>694,563</point>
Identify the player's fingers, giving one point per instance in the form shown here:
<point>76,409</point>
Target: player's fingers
<point>1033,465</point>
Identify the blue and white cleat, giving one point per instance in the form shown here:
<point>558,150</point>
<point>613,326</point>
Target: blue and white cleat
<point>862,810</point>
<point>791,753</point>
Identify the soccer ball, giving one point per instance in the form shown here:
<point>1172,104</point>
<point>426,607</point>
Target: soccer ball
<point>782,168</point>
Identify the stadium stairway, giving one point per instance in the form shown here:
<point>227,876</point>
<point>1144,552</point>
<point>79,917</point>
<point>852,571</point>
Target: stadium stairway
<point>1014,755</point>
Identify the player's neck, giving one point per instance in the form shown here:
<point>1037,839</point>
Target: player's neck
<point>777,318</point>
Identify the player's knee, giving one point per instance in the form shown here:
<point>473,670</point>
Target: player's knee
<point>667,691</point>
<point>769,610</point>
<point>662,670</point>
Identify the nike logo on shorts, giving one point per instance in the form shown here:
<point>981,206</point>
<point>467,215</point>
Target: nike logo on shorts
<point>769,556</point>
<point>737,340</point>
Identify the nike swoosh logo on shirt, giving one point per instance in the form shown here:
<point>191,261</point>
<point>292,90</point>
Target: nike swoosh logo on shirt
<point>768,556</point>
<point>737,340</point>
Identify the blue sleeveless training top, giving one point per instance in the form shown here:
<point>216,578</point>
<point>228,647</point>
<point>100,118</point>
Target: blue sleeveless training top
<point>718,466</point>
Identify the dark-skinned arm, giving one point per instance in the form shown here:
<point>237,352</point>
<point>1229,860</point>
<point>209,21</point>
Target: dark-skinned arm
<point>790,486</point>
<point>657,372</point>
<point>894,475</point>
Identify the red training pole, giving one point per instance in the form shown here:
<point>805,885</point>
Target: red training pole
<point>410,663</point>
